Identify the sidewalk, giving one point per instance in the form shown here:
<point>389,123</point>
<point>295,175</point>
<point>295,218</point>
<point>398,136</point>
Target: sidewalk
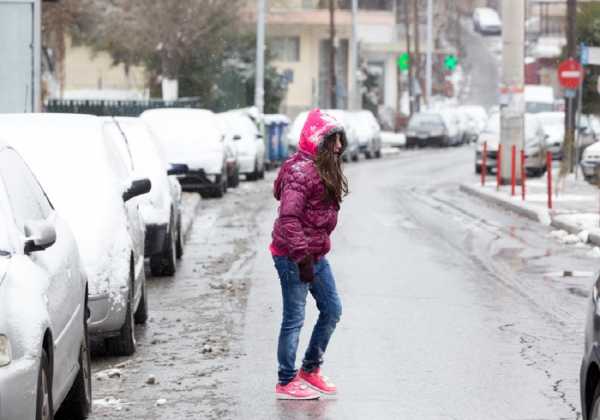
<point>576,205</point>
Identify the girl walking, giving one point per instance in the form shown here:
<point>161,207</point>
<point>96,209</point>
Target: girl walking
<point>310,187</point>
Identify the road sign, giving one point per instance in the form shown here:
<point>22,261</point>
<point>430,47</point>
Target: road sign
<point>570,74</point>
<point>570,93</point>
<point>403,61</point>
<point>590,55</point>
<point>450,62</point>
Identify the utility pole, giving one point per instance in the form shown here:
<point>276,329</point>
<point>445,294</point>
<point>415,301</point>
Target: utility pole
<point>259,83</point>
<point>332,48</point>
<point>408,49</point>
<point>429,64</point>
<point>417,29</point>
<point>354,88</point>
<point>568,162</point>
<point>512,104</point>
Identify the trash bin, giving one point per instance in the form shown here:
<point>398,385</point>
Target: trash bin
<point>276,125</point>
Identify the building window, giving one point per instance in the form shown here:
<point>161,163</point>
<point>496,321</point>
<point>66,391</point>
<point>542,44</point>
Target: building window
<point>285,48</point>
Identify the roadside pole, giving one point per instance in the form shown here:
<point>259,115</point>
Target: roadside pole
<point>259,91</point>
<point>408,50</point>
<point>354,103</point>
<point>428,69</point>
<point>569,143</point>
<point>512,103</point>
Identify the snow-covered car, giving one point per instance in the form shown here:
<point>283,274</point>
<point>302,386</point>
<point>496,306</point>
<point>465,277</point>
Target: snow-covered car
<point>490,136</point>
<point>391,139</point>
<point>455,126</point>
<point>486,21</point>
<point>474,119</point>
<point>552,131</point>
<point>590,162</point>
<point>535,146</point>
<point>430,129</point>
<point>44,353</point>
<point>193,137</point>
<point>248,141</point>
<point>352,148</point>
<point>82,174</point>
<point>368,131</point>
<point>589,377</point>
<point>161,208</point>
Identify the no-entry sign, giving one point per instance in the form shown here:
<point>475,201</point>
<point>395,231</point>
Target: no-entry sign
<point>570,74</point>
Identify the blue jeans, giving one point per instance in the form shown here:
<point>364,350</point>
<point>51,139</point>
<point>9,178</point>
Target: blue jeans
<point>294,293</point>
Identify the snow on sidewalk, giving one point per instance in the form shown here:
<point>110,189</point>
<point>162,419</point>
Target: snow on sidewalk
<point>575,204</point>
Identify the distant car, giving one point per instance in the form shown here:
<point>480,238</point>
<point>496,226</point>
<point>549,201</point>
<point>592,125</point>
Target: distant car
<point>589,376</point>
<point>44,353</point>
<point>490,136</point>
<point>293,135</point>
<point>539,98</point>
<point>246,137</point>
<point>81,172</point>
<point>475,118</point>
<point>590,163</point>
<point>392,139</point>
<point>486,21</point>
<point>588,133</point>
<point>430,129</point>
<point>193,137</point>
<point>161,208</point>
<point>368,131</point>
<point>455,126</point>
<point>535,146</point>
<point>552,131</point>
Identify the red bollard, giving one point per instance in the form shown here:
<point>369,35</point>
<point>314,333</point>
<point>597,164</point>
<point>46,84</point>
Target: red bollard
<point>549,173</point>
<point>499,167</point>
<point>523,175</point>
<point>484,164</point>
<point>513,170</point>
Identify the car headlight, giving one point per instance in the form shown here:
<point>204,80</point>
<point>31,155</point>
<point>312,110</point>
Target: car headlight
<point>5,351</point>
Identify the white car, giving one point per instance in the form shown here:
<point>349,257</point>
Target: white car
<point>490,136</point>
<point>193,137</point>
<point>539,98</point>
<point>475,118</point>
<point>243,132</point>
<point>590,162</point>
<point>44,353</point>
<point>293,135</point>
<point>486,21</point>
<point>552,131</point>
<point>368,131</point>
<point>161,208</point>
<point>83,177</point>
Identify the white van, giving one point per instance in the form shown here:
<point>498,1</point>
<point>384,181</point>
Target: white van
<point>538,99</point>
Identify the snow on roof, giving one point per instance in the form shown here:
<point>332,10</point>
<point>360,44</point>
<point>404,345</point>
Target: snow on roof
<point>276,119</point>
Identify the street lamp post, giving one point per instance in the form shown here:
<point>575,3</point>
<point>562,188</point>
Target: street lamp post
<point>259,91</point>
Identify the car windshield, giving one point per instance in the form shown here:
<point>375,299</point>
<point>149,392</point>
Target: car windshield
<point>425,121</point>
<point>535,107</point>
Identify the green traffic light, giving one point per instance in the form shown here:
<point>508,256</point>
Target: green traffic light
<point>450,62</point>
<point>403,61</point>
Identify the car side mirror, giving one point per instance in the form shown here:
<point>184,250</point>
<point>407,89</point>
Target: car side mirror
<point>137,188</point>
<point>178,169</point>
<point>39,235</point>
<point>237,137</point>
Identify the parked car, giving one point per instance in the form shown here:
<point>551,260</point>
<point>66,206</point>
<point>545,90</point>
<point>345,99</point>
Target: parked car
<point>196,138</point>
<point>552,130</point>
<point>588,133</point>
<point>539,98</point>
<point>475,117</point>
<point>590,163</point>
<point>392,139</point>
<point>246,137</point>
<point>535,146</point>
<point>486,21</point>
<point>293,136</point>
<point>161,208</point>
<point>430,128</point>
<point>589,376</point>
<point>491,137</point>
<point>368,131</point>
<point>82,174</point>
<point>455,126</point>
<point>44,353</point>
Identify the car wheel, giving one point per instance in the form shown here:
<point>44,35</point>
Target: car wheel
<point>78,403</point>
<point>378,154</point>
<point>179,244</point>
<point>124,343</point>
<point>234,180</point>
<point>595,405</point>
<point>141,313</point>
<point>477,169</point>
<point>44,410</point>
<point>355,157</point>
<point>164,264</point>
<point>368,155</point>
<point>261,173</point>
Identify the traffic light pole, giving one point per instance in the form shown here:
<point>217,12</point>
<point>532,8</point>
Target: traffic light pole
<point>408,49</point>
<point>428,70</point>
<point>568,162</point>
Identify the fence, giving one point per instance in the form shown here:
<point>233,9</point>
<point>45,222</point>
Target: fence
<point>130,108</point>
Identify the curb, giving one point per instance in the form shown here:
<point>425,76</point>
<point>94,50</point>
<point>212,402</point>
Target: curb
<point>528,212</point>
<point>188,224</point>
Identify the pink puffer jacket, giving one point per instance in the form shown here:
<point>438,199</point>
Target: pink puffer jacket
<point>306,218</point>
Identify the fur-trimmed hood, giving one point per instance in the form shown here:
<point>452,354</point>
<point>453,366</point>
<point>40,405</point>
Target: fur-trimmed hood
<point>318,126</point>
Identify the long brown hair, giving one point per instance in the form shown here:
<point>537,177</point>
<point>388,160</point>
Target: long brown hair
<point>330,168</point>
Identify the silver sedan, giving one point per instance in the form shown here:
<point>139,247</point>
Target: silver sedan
<point>44,356</point>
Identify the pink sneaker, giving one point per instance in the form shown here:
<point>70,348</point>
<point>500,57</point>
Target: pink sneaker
<point>295,390</point>
<point>317,381</point>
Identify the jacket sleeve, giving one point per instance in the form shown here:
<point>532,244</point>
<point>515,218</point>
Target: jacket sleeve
<point>293,200</point>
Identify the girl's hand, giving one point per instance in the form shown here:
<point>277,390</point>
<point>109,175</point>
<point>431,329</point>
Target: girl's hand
<point>306,268</point>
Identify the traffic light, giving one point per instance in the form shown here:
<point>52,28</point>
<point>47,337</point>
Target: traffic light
<point>450,62</point>
<point>403,61</point>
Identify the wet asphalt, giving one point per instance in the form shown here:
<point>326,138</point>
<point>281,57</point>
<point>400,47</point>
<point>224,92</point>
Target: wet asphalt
<point>452,309</point>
